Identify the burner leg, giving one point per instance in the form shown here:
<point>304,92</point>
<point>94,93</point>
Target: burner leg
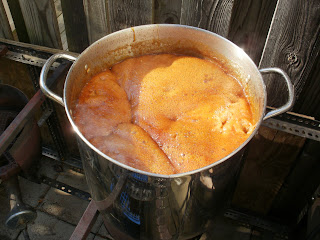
<point>86,222</point>
<point>20,214</point>
<point>26,234</point>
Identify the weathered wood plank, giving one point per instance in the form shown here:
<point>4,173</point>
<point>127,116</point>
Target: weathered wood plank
<point>270,156</point>
<point>64,40</point>
<point>75,25</point>
<point>249,25</point>
<point>123,14</point>
<point>57,4</point>
<point>97,19</point>
<point>300,185</point>
<point>167,11</point>
<point>5,30</point>
<point>41,22</point>
<point>303,59</point>
<point>213,15</point>
<point>292,45</point>
<point>61,24</point>
<point>18,20</point>
<point>309,99</point>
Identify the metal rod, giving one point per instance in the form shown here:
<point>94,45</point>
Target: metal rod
<point>20,120</point>
<point>12,186</point>
<point>26,234</point>
<point>86,222</point>
<point>66,188</point>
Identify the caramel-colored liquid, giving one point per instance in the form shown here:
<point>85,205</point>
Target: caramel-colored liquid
<point>165,113</point>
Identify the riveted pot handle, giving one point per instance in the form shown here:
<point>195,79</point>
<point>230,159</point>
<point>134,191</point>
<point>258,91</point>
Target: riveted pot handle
<point>44,74</point>
<point>291,97</point>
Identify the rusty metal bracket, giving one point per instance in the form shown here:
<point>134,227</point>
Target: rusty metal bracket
<point>44,117</point>
<point>29,59</point>
<point>295,124</point>
<point>52,120</point>
<point>30,54</point>
<point>86,222</point>
<point>66,188</point>
<point>71,161</point>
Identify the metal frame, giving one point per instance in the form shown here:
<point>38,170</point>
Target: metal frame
<point>35,57</point>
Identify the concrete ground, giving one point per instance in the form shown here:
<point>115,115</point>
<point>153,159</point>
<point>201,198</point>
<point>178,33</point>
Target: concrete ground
<point>58,212</point>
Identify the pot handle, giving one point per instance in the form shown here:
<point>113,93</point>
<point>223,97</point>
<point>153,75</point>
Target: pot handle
<point>44,72</point>
<point>291,97</point>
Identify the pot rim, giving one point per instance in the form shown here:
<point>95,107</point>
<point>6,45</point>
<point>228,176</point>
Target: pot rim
<point>240,50</point>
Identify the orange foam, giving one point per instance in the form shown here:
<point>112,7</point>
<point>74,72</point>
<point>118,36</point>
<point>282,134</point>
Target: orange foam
<point>165,113</point>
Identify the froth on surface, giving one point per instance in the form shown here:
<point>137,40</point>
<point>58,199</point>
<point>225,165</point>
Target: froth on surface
<point>165,113</point>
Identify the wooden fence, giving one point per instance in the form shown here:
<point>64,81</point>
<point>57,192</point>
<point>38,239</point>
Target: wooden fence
<point>275,33</point>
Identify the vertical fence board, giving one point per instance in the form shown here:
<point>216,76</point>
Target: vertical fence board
<point>249,25</point>
<point>18,21</point>
<point>271,154</point>
<point>57,4</point>
<point>167,11</point>
<point>5,30</point>
<point>213,15</point>
<point>309,99</point>
<point>301,184</point>
<point>292,45</point>
<point>123,14</point>
<point>97,19</point>
<point>41,22</point>
<point>75,25</point>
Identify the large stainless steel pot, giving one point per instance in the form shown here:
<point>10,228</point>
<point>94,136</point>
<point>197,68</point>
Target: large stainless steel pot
<point>142,205</point>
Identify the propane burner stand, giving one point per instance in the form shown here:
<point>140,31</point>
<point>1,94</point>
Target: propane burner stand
<point>281,231</point>
<point>35,57</point>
